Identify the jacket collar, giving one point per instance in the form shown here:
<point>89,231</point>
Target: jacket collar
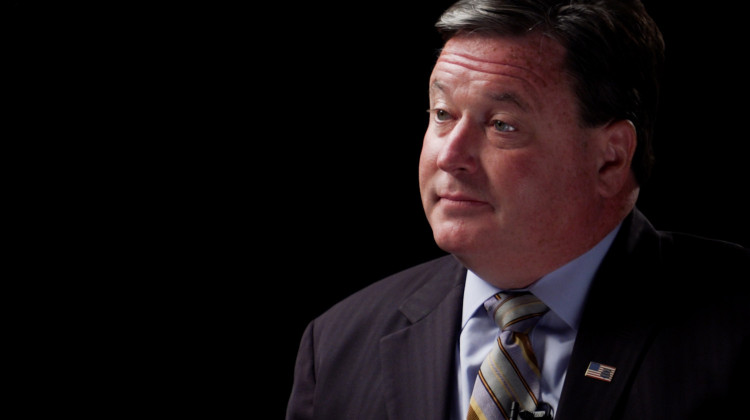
<point>434,315</point>
<point>617,322</point>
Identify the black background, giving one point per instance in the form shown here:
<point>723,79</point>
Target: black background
<point>353,88</point>
<point>208,180</point>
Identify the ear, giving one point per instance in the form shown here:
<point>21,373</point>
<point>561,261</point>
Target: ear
<point>618,147</point>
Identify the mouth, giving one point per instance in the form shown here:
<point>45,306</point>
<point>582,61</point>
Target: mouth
<point>460,200</point>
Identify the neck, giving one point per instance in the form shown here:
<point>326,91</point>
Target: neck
<point>519,269</point>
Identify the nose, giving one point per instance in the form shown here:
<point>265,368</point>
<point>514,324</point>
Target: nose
<point>459,148</point>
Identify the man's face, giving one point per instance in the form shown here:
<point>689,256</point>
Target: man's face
<point>506,174</point>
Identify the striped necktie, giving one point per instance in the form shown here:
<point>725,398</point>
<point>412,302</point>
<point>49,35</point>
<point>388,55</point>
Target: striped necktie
<point>510,372</point>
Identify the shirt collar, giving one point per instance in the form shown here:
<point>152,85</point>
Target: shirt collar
<point>476,291</point>
<point>562,290</point>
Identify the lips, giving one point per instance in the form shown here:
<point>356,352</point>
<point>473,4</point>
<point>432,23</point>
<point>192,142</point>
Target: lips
<point>460,199</point>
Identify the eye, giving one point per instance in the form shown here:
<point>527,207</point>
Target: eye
<point>442,115</point>
<point>502,126</point>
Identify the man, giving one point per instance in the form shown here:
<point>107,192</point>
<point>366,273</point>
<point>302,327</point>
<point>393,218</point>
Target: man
<point>541,118</point>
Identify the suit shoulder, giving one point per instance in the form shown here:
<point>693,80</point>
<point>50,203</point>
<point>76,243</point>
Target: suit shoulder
<point>694,264</point>
<point>693,251</point>
<point>385,296</point>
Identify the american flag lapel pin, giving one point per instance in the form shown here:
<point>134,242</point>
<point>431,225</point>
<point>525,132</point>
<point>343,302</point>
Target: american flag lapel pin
<point>600,371</point>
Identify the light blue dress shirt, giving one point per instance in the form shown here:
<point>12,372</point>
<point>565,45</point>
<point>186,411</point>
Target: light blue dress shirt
<point>563,291</point>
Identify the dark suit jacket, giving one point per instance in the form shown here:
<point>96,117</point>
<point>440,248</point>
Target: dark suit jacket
<point>668,311</point>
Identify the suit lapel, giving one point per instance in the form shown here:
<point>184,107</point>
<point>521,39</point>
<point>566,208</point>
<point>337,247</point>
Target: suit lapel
<point>617,346</point>
<point>422,356</point>
<point>617,324</point>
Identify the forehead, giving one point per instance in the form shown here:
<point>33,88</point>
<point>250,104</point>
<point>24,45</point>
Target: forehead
<point>533,62</point>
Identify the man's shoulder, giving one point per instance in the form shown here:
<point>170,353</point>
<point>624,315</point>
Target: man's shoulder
<point>439,268</point>
<point>437,276</point>
<point>701,253</point>
<point>645,247</point>
<point>698,268</point>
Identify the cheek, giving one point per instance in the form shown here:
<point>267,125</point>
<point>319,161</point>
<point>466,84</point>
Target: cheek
<point>557,179</point>
<point>531,181</point>
<point>513,170</point>
<point>427,161</point>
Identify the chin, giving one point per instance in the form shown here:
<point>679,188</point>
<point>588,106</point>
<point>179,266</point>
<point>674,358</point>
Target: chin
<point>454,241</point>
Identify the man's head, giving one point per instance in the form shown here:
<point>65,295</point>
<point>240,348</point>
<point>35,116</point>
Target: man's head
<point>614,54</point>
<point>527,160</point>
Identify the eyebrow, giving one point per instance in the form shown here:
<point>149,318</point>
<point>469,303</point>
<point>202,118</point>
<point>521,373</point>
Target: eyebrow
<point>508,97</point>
<point>436,85</point>
<point>503,97</point>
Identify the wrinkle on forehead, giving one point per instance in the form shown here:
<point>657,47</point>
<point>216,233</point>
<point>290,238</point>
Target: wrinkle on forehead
<point>493,67</point>
<point>498,97</point>
<point>535,57</point>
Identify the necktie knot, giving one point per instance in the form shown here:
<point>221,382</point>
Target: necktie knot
<point>517,312</point>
